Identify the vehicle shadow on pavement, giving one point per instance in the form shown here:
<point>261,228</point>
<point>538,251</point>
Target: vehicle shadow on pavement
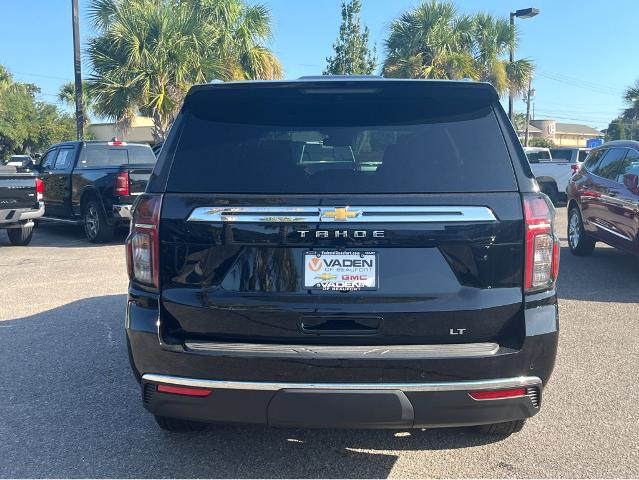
<point>616,277</point>
<point>58,235</point>
<point>70,407</point>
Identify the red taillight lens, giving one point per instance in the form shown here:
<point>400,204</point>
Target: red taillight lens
<point>188,391</point>
<point>117,143</point>
<point>575,167</point>
<point>498,394</point>
<point>143,241</point>
<point>39,190</point>
<point>122,183</point>
<point>542,245</point>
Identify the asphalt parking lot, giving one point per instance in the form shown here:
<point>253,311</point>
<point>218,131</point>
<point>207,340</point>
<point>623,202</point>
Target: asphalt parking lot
<point>70,407</point>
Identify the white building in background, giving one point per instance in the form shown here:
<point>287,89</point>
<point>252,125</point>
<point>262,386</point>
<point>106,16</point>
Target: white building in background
<point>141,131</point>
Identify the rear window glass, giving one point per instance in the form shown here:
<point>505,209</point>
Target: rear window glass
<point>320,144</point>
<point>538,156</point>
<point>114,156</point>
<point>561,155</point>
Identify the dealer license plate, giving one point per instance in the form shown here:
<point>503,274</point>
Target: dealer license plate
<point>329,270</point>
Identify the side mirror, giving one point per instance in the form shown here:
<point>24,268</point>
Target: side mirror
<point>631,182</point>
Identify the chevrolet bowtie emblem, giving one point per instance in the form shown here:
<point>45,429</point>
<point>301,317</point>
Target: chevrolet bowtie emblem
<point>340,214</point>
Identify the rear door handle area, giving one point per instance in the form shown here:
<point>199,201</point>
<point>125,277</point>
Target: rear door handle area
<point>341,325</point>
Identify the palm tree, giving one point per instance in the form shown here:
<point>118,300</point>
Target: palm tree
<point>492,39</point>
<point>430,41</point>
<point>66,95</point>
<point>149,52</point>
<point>434,40</point>
<point>631,97</point>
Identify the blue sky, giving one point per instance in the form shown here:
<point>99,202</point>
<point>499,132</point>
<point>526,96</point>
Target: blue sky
<point>583,49</point>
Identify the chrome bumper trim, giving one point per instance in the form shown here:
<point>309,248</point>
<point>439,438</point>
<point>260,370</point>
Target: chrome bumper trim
<point>122,211</point>
<point>347,214</point>
<point>371,352</point>
<point>404,387</point>
<point>21,214</point>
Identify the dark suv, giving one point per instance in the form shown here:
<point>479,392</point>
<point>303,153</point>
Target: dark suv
<point>603,199</point>
<point>412,285</point>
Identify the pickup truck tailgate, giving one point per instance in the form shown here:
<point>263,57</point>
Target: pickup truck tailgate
<point>17,190</point>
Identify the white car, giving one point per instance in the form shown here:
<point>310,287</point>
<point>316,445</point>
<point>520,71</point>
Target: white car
<point>552,173</point>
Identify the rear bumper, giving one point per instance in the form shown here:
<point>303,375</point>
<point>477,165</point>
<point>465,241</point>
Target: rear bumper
<point>260,385</point>
<point>10,218</point>
<point>386,405</point>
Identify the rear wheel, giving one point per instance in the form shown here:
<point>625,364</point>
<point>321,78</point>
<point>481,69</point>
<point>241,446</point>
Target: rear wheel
<point>20,236</point>
<point>501,429</point>
<point>578,240</point>
<point>96,227</point>
<point>178,425</point>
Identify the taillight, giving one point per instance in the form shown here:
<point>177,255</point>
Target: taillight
<point>143,242</point>
<point>575,167</point>
<point>117,143</point>
<point>542,245</point>
<point>39,190</point>
<point>122,183</point>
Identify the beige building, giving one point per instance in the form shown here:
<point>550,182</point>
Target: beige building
<point>141,131</point>
<point>562,134</point>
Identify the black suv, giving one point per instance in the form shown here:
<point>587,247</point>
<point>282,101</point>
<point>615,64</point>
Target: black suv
<point>342,252</point>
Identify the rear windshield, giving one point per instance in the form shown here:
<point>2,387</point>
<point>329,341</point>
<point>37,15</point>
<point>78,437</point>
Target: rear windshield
<point>539,156</point>
<point>114,156</point>
<point>353,143</point>
<point>561,155</point>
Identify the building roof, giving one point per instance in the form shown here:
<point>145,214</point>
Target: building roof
<point>577,129</point>
<point>531,129</point>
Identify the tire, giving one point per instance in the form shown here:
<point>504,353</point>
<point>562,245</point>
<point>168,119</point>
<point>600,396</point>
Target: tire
<point>579,242</point>
<point>501,429</point>
<point>20,236</point>
<point>96,227</point>
<point>179,425</point>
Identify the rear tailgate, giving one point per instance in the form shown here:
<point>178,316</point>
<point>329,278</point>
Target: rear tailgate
<point>420,242</point>
<point>17,190</point>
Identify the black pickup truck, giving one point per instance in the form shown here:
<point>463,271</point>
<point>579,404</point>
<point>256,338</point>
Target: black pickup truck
<point>20,204</point>
<point>94,183</point>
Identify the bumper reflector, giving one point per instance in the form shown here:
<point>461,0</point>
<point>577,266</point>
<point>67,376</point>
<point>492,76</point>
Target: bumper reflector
<point>188,391</point>
<point>498,394</point>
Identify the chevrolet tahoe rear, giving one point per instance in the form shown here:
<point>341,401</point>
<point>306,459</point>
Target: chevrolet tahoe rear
<point>342,252</point>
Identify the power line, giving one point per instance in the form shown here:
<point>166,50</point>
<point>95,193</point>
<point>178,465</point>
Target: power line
<point>601,90</point>
<point>43,76</point>
<point>581,81</point>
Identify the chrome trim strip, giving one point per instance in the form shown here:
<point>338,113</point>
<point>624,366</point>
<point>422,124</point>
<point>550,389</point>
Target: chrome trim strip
<point>404,387</point>
<point>348,214</point>
<point>609,230</point>
<point>462,350</point>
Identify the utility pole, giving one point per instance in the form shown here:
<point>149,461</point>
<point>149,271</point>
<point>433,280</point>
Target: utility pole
<point>528,95</point>
<point>77,68</point>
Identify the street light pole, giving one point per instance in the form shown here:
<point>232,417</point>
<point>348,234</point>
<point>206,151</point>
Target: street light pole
<point>77,68</point>
<point>521,13</point>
